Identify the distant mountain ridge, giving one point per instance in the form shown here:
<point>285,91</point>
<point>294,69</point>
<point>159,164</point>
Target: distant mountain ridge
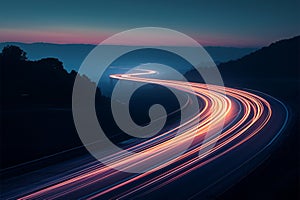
<point>72,55</point>
<point>281,59</point>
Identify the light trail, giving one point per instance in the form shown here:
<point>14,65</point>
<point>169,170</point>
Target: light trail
<point>244,115</point>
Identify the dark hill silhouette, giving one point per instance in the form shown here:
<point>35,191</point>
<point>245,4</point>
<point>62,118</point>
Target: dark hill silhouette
<point>279,60</point>
<point>36,117</point>
<point>41,82</point>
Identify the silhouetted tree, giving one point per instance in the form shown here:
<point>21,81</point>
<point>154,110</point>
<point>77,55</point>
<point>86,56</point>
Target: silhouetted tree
<point>13,53</point>
<point>53,63</point>
<point>44,82</point>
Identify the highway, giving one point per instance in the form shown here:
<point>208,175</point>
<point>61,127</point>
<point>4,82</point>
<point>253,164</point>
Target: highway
<point>251,122</point>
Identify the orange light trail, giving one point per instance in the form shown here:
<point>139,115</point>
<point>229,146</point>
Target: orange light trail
<point>241,113</point>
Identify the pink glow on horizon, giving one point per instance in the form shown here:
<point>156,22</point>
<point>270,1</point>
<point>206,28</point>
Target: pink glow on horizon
<point>58,37</point>
<point>95,37</point>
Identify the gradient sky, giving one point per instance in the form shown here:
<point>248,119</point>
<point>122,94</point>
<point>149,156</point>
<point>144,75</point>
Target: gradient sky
<point>216,23</point>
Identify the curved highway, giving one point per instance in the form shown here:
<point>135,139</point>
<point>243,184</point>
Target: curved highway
<point>252,121</point>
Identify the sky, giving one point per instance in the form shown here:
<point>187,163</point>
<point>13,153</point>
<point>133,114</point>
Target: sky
<point>211,23</point>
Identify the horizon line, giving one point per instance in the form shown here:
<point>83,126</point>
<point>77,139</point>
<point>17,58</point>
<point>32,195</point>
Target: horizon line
<point>225,46</point>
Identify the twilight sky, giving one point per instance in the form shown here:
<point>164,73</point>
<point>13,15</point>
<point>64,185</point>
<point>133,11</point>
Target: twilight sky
<point>217,23</point>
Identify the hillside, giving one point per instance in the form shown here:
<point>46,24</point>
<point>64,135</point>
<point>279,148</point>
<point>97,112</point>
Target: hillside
<point>36,118</point>
<point>41,82</point>
<point>279,60</point>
